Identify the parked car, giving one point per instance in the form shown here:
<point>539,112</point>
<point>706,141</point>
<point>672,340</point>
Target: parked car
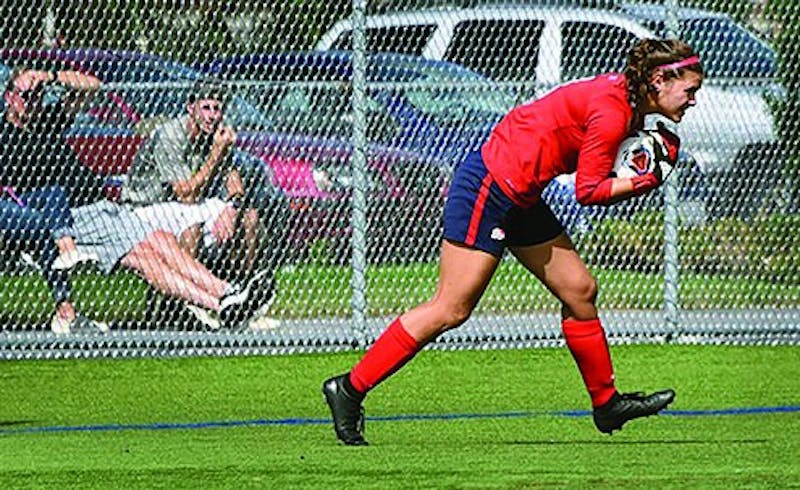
<point>422,117</point>
<point>536,47</point>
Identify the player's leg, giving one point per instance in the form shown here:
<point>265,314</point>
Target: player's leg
<point>147,260</point>
<point>468,258</point>
<point>563,272</point>
<point>181,262</point>
<point>464,274</point>
<point>559,267</point>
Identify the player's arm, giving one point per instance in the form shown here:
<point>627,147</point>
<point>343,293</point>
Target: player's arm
<point>607,127</point>
<point>189,190</point>
<point>81,87</point>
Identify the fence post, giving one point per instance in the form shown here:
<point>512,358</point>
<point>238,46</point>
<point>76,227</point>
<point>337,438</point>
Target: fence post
<point>359,164</point>
<point>671,231</point>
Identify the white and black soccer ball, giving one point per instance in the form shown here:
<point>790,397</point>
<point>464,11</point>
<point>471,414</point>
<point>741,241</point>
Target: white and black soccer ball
<point>642,153</point>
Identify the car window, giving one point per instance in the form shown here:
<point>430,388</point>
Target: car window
<point>726,48</point>
<point>129,106</point>
<point>406,39</point>
<point>453,99</point>
<point>324,110</point>
<point>502,49</point>
<point>243,115</point>
<point>591,48</point>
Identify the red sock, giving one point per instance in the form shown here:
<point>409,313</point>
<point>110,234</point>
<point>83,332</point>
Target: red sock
<point>390,352</point>
<point>587,343</point>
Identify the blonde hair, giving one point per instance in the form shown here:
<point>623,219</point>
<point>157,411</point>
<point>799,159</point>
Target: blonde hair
<point>648,55</point>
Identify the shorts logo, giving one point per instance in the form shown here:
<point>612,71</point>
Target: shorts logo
<point>498,234</point>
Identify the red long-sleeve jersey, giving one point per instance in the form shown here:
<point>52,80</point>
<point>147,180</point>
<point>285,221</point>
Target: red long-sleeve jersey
<point>577,127</point>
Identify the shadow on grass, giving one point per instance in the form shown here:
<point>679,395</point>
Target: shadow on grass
<point>12,423</point>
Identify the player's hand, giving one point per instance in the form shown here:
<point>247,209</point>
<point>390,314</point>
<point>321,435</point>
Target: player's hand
<point>234,185</point>
<point>667,147</point>
<point>224,137</point>
<point>223,227</point>
<point>671,141</point>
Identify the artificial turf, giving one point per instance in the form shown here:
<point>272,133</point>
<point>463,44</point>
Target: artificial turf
<point>474,419</point>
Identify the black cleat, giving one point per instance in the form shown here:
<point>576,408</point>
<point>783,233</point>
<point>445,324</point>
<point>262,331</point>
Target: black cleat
<point>622,408</point>
<point>347,412</point>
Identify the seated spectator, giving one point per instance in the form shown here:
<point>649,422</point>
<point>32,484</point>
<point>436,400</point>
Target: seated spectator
<point>186,169</point>
<point>118,237</point>
<point>36,166</point>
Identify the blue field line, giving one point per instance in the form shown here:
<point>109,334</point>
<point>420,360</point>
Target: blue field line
<point>385,418</point>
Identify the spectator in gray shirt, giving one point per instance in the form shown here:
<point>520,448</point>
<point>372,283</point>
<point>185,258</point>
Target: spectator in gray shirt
<point>183,181</point>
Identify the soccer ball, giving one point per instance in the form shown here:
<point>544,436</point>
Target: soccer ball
<point>642,153</point>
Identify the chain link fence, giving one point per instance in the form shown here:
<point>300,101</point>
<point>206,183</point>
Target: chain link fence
<point>349,119</point>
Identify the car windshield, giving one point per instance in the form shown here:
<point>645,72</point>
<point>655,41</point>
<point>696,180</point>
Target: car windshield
<point>730,50</point>
<point>727,50</point>
<point>398,94</point>
<point>451,99</point>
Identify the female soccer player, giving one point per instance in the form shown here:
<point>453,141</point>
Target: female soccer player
<point>494,202</point>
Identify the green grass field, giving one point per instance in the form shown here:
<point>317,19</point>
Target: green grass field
<point>260,422</point>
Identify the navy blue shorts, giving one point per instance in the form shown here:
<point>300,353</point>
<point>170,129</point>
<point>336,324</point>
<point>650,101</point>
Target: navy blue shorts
<point>478,214</point>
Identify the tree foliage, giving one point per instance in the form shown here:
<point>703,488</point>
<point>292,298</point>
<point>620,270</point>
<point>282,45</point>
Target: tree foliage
<point>196,30</point>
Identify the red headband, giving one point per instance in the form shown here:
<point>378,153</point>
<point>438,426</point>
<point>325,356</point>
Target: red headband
<point>691,60</point>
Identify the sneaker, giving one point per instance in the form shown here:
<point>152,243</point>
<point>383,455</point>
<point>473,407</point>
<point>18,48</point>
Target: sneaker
<point>26,261</point>
<point>347,412</point>
<point>258,276</point>
<point>208,318</point>
<point>622,408</point>
<point>236,295</point>
<point>262,323</point>
<point>70,259</point>
<point>80,324</point>
<point>235,308</point>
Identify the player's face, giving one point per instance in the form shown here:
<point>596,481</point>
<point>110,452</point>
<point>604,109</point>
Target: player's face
<point>206,114</point>
<point>676,95</point>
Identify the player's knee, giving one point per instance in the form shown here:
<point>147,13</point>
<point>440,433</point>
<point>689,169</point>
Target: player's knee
<point>161,236</point>
<point>456,316</point>
<point>582,292</point>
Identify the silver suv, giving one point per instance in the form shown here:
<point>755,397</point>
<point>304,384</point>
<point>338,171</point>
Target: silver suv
<point>543,46</point>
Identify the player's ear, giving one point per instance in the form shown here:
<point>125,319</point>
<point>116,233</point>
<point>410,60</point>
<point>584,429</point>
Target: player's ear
<point>656,81</point>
